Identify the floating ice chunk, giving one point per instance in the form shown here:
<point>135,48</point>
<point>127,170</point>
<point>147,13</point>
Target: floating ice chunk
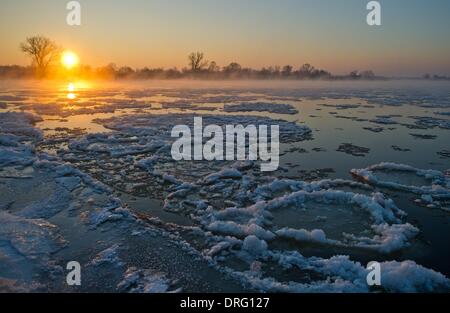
<point>386,120</point>
<point>170,179</point>
<point>316,235</point>
<point>219,247</point>
<point>69,182</point>
<point>110,213</point>
<point>139,149</point>
<point>257,219</point>
<point>148,163</point>
<point>439,185</point>
<point>261,107</point>
<point>397,148</point>
<point>22,155</point>
<point>16,172</point>
<point>20,124</point>
<point>431,122</point>
<point>115,144</point>
<point>239,230</point>
<point>340,106</point>
<point>108,256</point>
<point>349,276</point>
<point>374,129</point>
<point>391,237</point>
<point>407,276</point>
<point>254,246</point>
<point>14,128</point>
<point>389,233</point>
<point>47,207</point>
<point>9,140</point>
<point>270,284</point>
<point>228,173</point>
<point>270,190</point>
<point>144,281</point>
<point>36,239</point>
<point>378,213</point>
<point>181,191</point>
<point>227,227</point>
<point>423,136</point>
<point>352,149</point>
<point>162,124</point>
<point>65,169</point>
<point>427,198</point>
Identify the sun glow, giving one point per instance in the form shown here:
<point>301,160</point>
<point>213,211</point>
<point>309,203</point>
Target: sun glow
<point>69,59</point>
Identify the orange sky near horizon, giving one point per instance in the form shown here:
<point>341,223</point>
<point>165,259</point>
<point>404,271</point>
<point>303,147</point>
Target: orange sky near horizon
<point>161,33</point>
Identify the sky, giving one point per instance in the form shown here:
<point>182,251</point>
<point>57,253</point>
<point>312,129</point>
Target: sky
<point>413,39</point>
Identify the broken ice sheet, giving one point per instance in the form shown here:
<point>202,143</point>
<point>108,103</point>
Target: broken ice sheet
<point>352,149</point>
<point>430,183</point>
<point>145,281</point>
<point>261,107</point>
<point>220,225</point>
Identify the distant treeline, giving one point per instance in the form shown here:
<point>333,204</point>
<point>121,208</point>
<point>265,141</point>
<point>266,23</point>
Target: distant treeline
<point>45,57</point>
<point>231,71</point>
<point>436,77</point>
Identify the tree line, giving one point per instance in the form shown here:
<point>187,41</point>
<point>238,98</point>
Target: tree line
<point>45,55</point>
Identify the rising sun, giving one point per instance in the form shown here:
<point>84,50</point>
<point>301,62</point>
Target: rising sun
<point>69,59</point>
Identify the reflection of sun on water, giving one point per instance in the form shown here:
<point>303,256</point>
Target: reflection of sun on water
<point>71,88</point>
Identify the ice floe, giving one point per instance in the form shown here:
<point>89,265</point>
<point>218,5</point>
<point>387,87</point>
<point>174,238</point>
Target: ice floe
<point>108,256</point>
<point>20,124</point>
<point>145,281</point>
<point>249,226</point>
<point>432,186</point>
<point>438,183</point>
<point>352,149</point>
<point>150,124</point>
<point>277,108</point>
<point>340,274</point>
<point>431,122</point>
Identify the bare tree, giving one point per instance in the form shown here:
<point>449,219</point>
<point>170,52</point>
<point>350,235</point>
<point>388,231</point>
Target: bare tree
<point>354,74</point>
<point>43,52</point>
<point>213,67</point>
<point>306,70</point>
<point>232,68</point>
<point>368,74</point>
<point>197,62</point>
<point>287,70</point>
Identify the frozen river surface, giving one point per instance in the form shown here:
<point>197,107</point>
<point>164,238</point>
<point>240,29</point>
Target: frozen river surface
<point>86,175</point>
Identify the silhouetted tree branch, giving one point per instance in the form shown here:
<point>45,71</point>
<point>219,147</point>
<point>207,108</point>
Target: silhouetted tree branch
<point>197,62</point>
<point>43,52</point>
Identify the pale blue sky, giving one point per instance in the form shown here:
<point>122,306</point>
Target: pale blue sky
<point>413,39</point>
